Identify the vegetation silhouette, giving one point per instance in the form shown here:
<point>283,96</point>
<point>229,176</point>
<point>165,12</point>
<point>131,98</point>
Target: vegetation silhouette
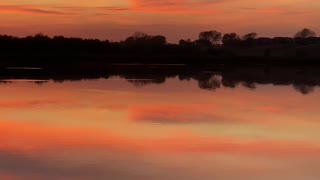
<point>214,37</point>
<point>231,39</point>
<point>304,79</point>
<point>214,60</point>
<point>211,47</point>
<point>249,36</point>
<point>305,33</point>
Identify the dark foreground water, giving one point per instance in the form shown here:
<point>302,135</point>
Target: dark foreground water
<point>130,129</point>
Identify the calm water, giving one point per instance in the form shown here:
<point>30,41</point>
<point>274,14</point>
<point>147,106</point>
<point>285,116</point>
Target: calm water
<point>116,129</point>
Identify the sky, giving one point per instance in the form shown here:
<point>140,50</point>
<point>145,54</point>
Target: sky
<point>109,129</point>
<point>176,19</point>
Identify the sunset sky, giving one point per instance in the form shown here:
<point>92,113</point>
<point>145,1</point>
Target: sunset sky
<point>176,19</point>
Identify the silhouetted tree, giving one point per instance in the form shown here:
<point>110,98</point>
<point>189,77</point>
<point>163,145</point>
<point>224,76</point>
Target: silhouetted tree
<point>137,37</point>
<point>40,37</point>
<point>183,42</point>
<point>210,84</point>
<point>249,85</point>
<point>229,82</point>
<point>305,33</point>
<point>213,36</point>
<point>252,35</point>
<point>303,88</point>
<point>186,46</point>
<point>202,43</point>
<point>230,39</point>
<point>249,40</point>
<point>158,40</point>
<point>140,44</point>
<point>144,82</point>
<point>140,35</point>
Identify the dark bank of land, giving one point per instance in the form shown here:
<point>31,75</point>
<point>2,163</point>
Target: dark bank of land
<point>214,60</point>
<point>211,47</point>
<point>303,79</point>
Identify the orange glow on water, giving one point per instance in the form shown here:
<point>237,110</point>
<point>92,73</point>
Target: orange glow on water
<point>20,137</point>
<point>74,128</point>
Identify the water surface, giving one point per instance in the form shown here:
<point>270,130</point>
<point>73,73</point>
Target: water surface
<point>139,129</point>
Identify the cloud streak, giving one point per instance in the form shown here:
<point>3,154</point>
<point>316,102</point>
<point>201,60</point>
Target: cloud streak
<point>173,7</point>
<point>30,10</point>
<point>148,6</point>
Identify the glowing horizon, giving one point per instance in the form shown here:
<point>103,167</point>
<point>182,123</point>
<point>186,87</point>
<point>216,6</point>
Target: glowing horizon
<point>179,19</point>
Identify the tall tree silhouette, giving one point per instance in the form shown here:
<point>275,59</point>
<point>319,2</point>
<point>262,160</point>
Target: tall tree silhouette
<point>213,36</point>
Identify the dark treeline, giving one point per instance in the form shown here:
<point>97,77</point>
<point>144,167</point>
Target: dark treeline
<point>304,79</point>
<point>209,44</point>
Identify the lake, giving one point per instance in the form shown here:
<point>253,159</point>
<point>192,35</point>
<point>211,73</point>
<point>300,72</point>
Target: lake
<point>143,127</point>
